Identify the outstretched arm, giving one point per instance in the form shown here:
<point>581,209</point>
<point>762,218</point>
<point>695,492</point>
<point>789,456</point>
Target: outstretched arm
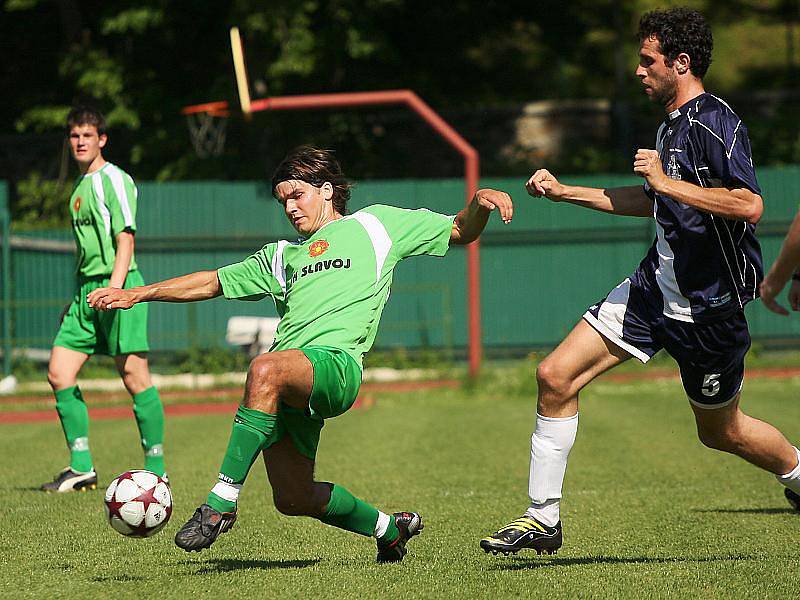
<point>788,261</point>
<point>628,201</point>
<point>471,219</point>
<point>187,288</point>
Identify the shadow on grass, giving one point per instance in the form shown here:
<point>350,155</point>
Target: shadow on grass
<point>748,511</point>
<point>224,565</point>
<point>522,563</point>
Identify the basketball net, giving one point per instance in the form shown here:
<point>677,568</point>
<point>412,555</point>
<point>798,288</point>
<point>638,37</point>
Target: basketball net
<point>207,130</point>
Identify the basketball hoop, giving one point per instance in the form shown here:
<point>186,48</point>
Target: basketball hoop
<point>208,125</point>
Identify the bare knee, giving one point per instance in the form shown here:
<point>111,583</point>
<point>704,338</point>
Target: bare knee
<point>58,379</point>
<point>265,379</point>
<point>555,387</point>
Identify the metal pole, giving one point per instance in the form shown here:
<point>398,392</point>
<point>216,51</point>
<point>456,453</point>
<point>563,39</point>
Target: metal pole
<point>5,230</point>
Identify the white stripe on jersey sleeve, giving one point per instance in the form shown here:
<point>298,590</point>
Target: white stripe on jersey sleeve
<point>99,192</point>
<point>278,266</point>
<point>381,241</point>
<point>115,175</point>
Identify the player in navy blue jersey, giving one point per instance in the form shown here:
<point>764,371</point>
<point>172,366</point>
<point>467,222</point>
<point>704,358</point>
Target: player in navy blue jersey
<point>688,293</point>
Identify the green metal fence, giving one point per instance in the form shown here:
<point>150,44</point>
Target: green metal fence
<point>537,274</point>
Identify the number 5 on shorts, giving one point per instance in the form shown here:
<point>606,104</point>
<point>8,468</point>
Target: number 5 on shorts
<point>711,384</point>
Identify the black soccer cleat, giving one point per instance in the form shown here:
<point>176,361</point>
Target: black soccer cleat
<point>409,524</point>
<point>203,528</point>
<point>71,481</point>
<point>793,498</point>
<point>525,532</point>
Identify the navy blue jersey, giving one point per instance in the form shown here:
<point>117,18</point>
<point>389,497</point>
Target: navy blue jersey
<point>706,267</point>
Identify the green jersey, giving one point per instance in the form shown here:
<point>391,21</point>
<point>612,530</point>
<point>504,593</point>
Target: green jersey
<point>331,288</point>
<point>102,205</point>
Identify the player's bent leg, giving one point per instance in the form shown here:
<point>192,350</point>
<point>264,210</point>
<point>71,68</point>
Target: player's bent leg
<point>577,360</point>
<point>583,355</point>
<point>728,429</point>
<point>296,493</point>
<point>272,378</point>
<point>62,374</point>
<point>291,476</point>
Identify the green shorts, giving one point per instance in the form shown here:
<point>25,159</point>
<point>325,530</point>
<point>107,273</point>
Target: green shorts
<point>113,332</point>
<point>337,378</point>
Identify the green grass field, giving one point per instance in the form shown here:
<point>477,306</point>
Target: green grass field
<point>648,511</point>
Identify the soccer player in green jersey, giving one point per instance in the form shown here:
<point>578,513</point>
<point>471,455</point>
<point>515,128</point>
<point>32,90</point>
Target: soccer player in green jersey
<point>330,288</point>
<point>103,214</point>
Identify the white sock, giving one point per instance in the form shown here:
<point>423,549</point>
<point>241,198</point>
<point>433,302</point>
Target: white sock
<point>382,525</point>
<point>227,491</point>
<point>792,479</point>
<point>550,445</point>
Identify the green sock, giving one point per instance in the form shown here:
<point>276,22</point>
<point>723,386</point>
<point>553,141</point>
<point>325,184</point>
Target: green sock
<point>150,418</point>
<point>251,431</point>
<point>345,511</point>
<point>75,423</point>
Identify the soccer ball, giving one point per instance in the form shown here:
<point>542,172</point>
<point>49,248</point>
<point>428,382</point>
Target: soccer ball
<point>138,504</point>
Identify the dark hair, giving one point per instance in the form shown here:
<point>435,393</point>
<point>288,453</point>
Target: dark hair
<point>314,166</point>
<point>680,30</point>
<point>86,115</point>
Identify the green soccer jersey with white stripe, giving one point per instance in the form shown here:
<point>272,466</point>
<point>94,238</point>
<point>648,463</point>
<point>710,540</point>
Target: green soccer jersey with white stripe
<point>331,288</point>
<point>102,205</point>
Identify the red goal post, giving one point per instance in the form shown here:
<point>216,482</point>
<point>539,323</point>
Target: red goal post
<point>409,99</point>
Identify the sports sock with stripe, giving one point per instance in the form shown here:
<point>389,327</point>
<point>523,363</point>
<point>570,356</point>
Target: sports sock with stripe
<point>250,433</point>
<point>149,414</point>
<point>345,511</point>
<point>75,423</point>
<point>792,479</point>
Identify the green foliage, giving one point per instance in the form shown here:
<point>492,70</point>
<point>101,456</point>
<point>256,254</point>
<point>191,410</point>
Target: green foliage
<point>42,118</point>
<point>211,360</point>
<point>142,62</point>
<point>41,202</point>
<point>134,20</point>
<point>402,358</point>
<point>19,5</point>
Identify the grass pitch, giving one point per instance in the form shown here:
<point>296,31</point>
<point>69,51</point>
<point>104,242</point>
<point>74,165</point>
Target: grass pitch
<point>648,512</point>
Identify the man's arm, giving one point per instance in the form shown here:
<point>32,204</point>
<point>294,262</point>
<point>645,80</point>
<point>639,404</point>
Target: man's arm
<point>739,204</point>
<point>122,259</point>
<point>631,201</point>
<point>187,288</point>
<point>471,219</point>
<point>788,261</point>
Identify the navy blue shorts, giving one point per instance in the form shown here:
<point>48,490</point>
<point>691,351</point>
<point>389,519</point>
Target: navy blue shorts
<point>710,355</point>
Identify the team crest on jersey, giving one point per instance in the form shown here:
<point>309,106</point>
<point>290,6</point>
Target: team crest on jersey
<point>77,204</point>
<point>673,169</point>
<point>318,248</point>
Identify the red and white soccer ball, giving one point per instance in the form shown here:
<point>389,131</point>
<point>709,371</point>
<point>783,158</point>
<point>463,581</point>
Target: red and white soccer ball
<point>138,504</point>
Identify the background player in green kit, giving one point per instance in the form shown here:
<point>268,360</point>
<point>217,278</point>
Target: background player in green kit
<point>103,214</point>
<point>330,288</point>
